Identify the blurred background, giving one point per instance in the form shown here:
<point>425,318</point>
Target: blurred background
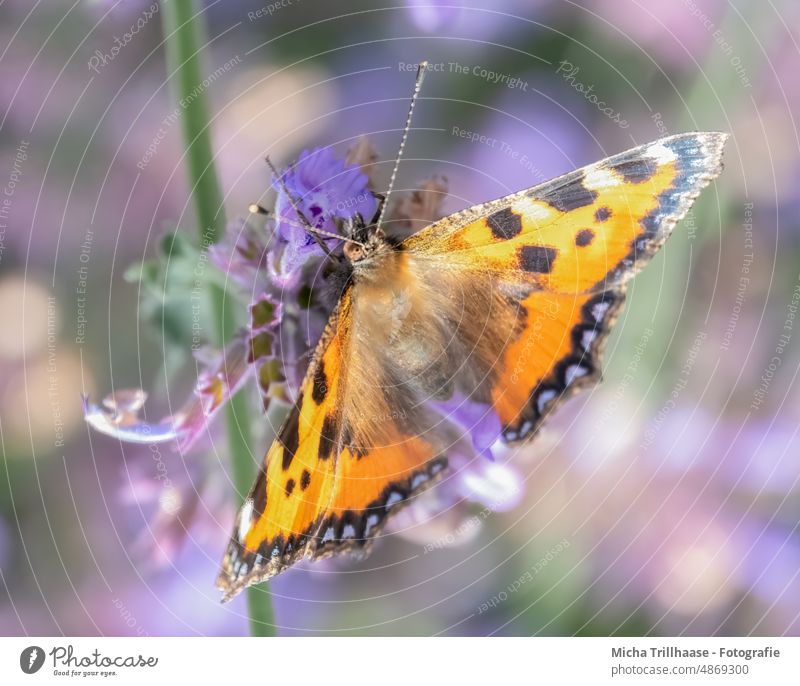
<point>665,501</point>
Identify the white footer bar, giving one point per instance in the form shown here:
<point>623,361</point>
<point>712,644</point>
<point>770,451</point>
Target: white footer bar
<point>336,661</point>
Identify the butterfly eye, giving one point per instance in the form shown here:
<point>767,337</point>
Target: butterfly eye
<point>353,251</point>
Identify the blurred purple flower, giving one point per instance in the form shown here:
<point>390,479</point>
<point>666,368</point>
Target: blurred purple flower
<point>433,16</point>
<point>495,485</point>
<point>501,18</point>
<point>531,137</point>
<point>477,420</point>
<point>677,33</point>
<point>179,495</point>
<point>770,569</point>
<point>757,458</point>
<point>697,531</point>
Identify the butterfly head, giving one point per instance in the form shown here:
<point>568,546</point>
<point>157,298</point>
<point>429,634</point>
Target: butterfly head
<point>366,238</point>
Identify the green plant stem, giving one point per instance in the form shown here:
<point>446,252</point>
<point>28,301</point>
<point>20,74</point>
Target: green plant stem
<point>184,36</point>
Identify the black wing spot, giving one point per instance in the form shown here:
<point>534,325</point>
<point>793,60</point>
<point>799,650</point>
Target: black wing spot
<point>584,238</point>
<point>347,441</point>
<point>327,437</point>
<point>537,259</point>
<point>602,214</point>
<point>305,480</point>
<point>290,435</point>
<point>572,196</point>
<point>260,492</point>
<point>505,224</point>
<point>637,171</point>
<point>320,385</point>
<point>289,487</point>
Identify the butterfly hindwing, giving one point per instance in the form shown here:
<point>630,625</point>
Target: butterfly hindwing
<point>570,245</point>
<point>276,525</point>
<point>325,485</point>
<point>557,354</point>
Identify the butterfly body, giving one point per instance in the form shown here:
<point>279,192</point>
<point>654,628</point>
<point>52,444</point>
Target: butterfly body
<point>470,331</point>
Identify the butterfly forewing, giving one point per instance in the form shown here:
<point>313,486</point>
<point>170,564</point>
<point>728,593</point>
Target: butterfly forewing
<point>570,245</point>
<point>354,448</point>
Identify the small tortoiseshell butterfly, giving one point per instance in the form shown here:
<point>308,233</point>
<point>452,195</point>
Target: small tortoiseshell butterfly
<point>507,303</point>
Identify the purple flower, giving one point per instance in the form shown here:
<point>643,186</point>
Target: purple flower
<point>477,420</point>
<point>495,485</point>
<point>174,495</point>
<point>326,189</point>
<point>675,33</point>
<point>432,17</point>
<point>452,18</point>
<point>242,255</point>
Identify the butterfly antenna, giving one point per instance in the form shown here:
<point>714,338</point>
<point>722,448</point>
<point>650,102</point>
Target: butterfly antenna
<point>417,88</point>
<point>307,225</point>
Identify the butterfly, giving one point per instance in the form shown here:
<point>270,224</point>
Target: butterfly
<point>507,304</point>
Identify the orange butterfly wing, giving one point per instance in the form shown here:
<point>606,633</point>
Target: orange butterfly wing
<point>573,242</point>
<point>316,493</point>
<point>512,300</point>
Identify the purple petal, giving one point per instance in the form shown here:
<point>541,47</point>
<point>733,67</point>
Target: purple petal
<point>241,254</point>
<point>478,420</point>
<point>325,188</point>
<point>492,484</point>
